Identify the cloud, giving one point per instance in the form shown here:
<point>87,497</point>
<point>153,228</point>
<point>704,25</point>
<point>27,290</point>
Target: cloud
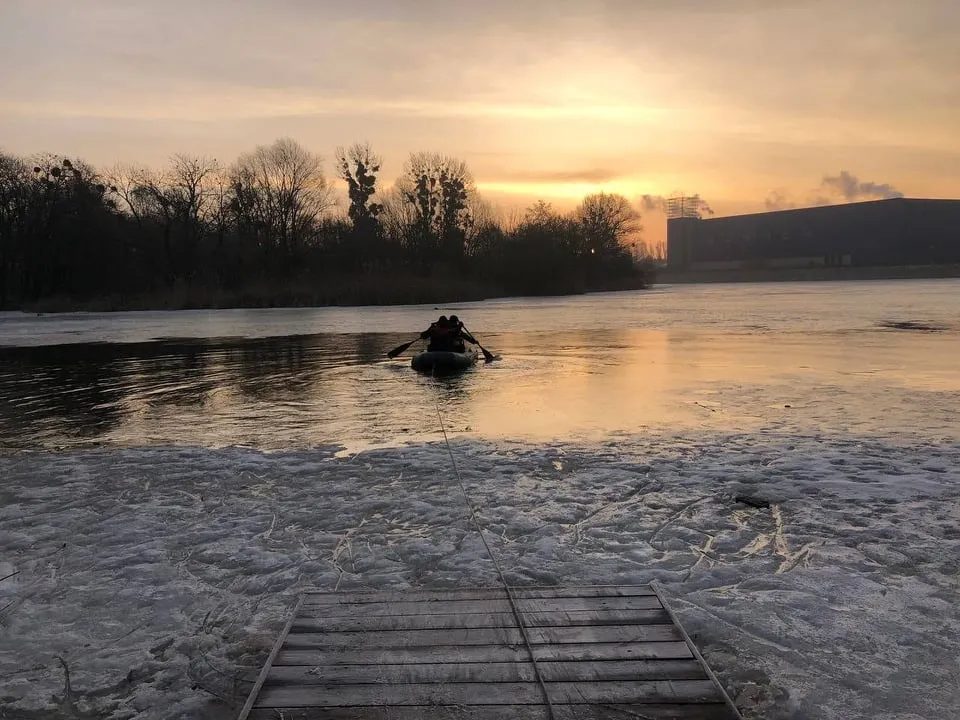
<point>653,203</point>
<point>229,103</point>
<point>584,175</point>
<point>673,94</point>
<point>851,188</point>
<point>834,189</point>
<point>778,200</point>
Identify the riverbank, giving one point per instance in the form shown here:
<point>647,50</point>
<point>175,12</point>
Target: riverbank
<point>350,290</point>
<point>159,577</point>
<point>898,272</point>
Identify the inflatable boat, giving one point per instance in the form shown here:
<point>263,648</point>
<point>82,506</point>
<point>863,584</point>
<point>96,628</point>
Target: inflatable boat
<point>443,361</point>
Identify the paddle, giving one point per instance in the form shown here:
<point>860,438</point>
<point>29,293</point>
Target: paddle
<point>400,348</point>
<point>487,355</point>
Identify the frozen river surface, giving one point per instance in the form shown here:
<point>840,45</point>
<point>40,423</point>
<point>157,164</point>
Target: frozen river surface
<point>171,481</point>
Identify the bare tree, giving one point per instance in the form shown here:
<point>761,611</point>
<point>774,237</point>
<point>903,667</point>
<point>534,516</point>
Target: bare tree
<point>485,232</point>
<point>540,213</point>
<point>481,212</point>
<point>281,190</point>
<point>190,186</point>
<point>14,206</point>
<point>398,217</point>
<point>153,200</point>
<point>510,218</point>
<point>608,221</point>
<point>65,233</point>
<point>218,212</point>
<point>128,182</point>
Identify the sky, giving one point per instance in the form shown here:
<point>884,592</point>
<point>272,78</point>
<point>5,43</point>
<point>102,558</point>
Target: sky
<point>753,104</point>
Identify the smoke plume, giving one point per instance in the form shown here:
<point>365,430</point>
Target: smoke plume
<point>850,188</point>
<point>833,189</point>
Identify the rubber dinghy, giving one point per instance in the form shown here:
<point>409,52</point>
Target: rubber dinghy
<point>443,361</point>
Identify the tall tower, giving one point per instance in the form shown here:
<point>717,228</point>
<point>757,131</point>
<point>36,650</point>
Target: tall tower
<point>683,217</point>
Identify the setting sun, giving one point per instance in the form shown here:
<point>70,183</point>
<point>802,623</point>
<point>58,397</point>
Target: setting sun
<point>720,101</point>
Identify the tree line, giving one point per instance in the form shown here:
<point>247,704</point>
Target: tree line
<point>267,230</point>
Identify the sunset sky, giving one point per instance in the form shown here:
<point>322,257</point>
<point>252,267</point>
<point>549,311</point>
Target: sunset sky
<point>749,103</point>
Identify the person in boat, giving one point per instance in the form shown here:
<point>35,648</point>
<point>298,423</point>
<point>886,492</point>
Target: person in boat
<point>447,335</point>
<point>460,334</point>
<point>457,335</point>
<point>439,335</point>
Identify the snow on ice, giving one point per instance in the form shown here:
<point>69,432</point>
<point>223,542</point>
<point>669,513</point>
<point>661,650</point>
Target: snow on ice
<point>819,576</point>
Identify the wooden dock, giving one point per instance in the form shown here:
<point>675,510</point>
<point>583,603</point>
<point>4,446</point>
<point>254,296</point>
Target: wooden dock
<point>602,652</point>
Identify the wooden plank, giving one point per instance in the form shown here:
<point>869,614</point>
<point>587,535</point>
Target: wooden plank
<point>487,593</point>
<point>482,636</point>
<point>415,712</point>
<point>574,693</point>
<point>615,711</point>
<point>696,654</point>
<point>314,618</point>
<point>605,652</point>
<point>525,605</point>
<point>481,653</point>
<point>264,671</point>
<point>624,670</point>
<point>603,711</point>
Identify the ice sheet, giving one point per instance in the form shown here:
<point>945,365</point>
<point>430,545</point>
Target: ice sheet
<point>160,576</point>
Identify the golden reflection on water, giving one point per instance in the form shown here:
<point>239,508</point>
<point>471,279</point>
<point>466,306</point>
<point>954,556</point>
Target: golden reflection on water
<point>306,391</point>
<point>642,380</point>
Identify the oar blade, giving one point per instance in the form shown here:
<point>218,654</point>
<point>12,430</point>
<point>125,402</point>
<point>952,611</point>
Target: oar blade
<point>487,355</point>
<point>399,349</point>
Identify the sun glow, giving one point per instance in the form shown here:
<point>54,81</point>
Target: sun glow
<point>567,190</point>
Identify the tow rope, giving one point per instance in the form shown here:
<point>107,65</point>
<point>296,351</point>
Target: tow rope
<point>503,579</point>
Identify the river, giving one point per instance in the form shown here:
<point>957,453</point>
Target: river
<point>875,358</point>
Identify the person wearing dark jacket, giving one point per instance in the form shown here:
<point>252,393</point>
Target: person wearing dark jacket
<point>458,334</point>
<point>440,335</point>
<point>447,335</point>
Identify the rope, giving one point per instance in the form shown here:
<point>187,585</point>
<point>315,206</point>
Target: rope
<point>506,586</point>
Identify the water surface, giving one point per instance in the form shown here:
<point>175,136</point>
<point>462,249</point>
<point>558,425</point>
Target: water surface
<point>874,358</point>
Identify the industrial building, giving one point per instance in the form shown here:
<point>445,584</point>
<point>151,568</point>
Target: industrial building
<point>897,231</point>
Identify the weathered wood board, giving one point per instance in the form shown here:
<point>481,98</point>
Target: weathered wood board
<point>602,652</point>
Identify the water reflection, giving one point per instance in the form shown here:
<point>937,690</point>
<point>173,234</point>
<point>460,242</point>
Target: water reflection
<point>179,391</point>
<point>60,392</point>
<point>302,391</point>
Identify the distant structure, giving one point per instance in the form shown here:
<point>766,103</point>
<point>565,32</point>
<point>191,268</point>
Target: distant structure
<point>679,205</point>
<point>898,231</point>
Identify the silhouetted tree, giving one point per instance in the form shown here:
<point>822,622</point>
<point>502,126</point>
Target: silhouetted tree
<point>14,209</point>
<point>191,190</point>
<point>608,221</point>
<point>358,167</point>
<point>548,241</point>
<point>178,200</point>
<point>438,188</point>
<point>261,232</point>
<point>64,222</point>
<point>650,251</point>
<point>279,195</point>
<point>127,182</point>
